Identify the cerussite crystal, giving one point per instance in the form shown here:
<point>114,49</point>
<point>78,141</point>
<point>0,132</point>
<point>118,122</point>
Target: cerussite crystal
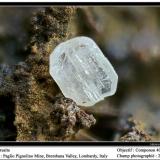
<point>82,72</point>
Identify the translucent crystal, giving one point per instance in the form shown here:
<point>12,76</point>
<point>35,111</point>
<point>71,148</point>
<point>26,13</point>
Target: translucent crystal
<point>82,72</point>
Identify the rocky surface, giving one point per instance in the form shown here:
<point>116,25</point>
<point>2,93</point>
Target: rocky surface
<point>29,89</point>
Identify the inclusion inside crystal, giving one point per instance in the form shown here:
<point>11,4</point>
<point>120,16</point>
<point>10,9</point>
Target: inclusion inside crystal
<point>82,72</point>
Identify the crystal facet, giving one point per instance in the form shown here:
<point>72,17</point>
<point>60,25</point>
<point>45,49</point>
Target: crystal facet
<point>82,72</point>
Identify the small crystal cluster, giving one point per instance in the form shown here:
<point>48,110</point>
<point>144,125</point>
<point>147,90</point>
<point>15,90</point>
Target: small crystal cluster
<point>82,72</point>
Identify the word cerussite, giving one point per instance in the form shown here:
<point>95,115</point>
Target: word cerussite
<point>82,72</point>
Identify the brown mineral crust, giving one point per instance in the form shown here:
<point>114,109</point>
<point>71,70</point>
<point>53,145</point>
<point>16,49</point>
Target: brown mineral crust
<point>49,26</point>
<point>69,117</point>
<point>39,116</point>
<point>135,133</point>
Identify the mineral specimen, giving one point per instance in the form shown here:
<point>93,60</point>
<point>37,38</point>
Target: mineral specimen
<point>82,72</point>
